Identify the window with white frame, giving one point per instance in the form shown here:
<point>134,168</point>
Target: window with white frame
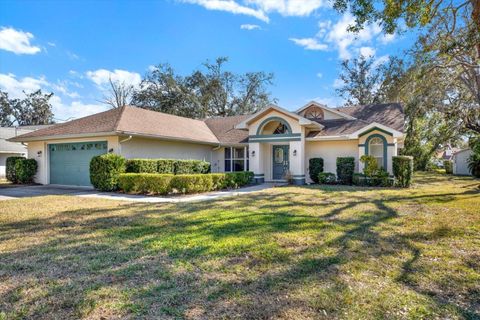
<point>375,149</point>
<point>236,159</point>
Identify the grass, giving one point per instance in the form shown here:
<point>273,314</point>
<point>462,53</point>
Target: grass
<point>286,253</point>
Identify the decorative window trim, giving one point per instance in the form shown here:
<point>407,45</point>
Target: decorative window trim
<point>270,119</point>
<point>385,145</point>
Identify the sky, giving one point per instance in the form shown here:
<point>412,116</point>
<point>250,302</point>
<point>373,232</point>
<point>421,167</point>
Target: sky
<point>72,48</point>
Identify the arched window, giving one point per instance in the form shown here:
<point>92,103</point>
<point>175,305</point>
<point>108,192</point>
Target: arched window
<point>376,148</point>
<point>281,129</point>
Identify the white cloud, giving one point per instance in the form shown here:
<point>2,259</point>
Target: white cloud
<point>320,75</point>
<point>260,8</point>
<point>338,83</point>
<point>17,41</point>
<point>15,87</point>
<point>310,43</point>
<point>101,77</point>
<point>74,110</point>
<point>230,6</point>
<point>52,44</point>
<point>250,27</point>
<point>367,51</point>
<point>335,36</point>
<point>387,38</point>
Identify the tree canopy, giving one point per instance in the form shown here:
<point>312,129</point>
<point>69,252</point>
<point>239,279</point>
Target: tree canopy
<point>34,109</point>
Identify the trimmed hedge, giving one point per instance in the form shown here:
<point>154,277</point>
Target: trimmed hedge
<point>448,165</point>
<point>170,166</point>
<point>25,170</point>
<point>10,171</point>
<point>315,167</point>
<point>403,170</point>
<point>105,170</point>
<point>345,169</point>
<point>327,178</point>
<point>154,183</point>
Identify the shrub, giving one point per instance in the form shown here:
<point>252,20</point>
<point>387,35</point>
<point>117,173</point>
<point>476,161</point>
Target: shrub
<point>314,168</point>
<point>192,183</point>
<point>191,166</point>
<point>141,166</point>
<point>105,171</point>
<point>345,169</point>
<point>166,166</point>
<point>238,179</point>
<point>151,183</point>
<point>359,179</point>
<point>326,178</point>
<point>473,162</point>
<point>403,170</point>
<point>25,170</point>
<point>10,171</point>
<point>370,165</point>
<point>448,165</point>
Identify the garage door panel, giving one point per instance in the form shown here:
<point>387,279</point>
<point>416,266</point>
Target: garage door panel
<point>70,162</point>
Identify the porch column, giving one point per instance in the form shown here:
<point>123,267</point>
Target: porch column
<point>256,164</point>
<point>297,161</point>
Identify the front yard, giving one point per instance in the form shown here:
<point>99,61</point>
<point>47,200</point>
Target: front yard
<point>290,252</point>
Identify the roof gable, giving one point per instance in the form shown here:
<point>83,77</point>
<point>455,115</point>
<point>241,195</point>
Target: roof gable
<point>338,113</point>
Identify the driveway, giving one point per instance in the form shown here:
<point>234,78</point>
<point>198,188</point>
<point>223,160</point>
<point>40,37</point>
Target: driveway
<point>15,192</point>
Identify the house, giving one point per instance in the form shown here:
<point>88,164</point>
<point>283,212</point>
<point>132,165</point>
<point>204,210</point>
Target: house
<point>11,149</point>
<point>273,142</point>
<point>460,162</point>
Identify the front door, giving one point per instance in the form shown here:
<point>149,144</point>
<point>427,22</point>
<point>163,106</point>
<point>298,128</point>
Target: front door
<point>280,162</point>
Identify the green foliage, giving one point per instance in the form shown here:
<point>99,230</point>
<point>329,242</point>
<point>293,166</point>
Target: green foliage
<point>315,167</point>
<point>209,91</point>
<point>345,169</point>
<point>326,178</point>
<point>167,166</point>
<point>359,179</point>
<point>145,183</point>
<point>448,165</point>
<point>191,166</point>
<point>154,183</point>
<point>370,165</point>
<point>141,166</point>
<point>105,170</point>
<point>25,170</point>
<point>403,170</point>
<point>473,162</point>
<point>10,170</point>
<point>34,109</point>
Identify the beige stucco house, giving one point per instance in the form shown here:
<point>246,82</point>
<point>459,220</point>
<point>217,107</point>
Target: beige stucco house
<point>274,143</point>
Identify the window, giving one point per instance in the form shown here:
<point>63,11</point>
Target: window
<point>375,149</point>
<point>236,159</point>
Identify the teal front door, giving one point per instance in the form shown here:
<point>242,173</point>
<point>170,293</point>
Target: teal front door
<point>280,162</point>
<point>70,162</point>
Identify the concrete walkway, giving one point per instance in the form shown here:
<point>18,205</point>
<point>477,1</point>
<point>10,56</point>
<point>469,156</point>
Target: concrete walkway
<point>16,192</point>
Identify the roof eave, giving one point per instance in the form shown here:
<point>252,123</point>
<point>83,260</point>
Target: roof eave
<point>63,136</point>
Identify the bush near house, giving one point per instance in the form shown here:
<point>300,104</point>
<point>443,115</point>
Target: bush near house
<point>345,169</point>
<point>154,183</point>
<point>373,174</point>
<point>105,171</point>
<point>326,178</point>
<point>167,166</point>
<point>20,170</point>
<point>403,170</point>
<point>448,165</point>
<point>315,167</point>
<point>10,171</point>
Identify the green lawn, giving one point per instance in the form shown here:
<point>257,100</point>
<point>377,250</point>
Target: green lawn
<point>289,253</point>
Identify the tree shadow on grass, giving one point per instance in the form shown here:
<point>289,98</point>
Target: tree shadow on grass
<point>250,257</point>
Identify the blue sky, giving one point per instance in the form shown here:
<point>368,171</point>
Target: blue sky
<point>72,47</point>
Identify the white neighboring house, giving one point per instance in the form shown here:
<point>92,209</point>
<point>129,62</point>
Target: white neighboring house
<point>11,149</point>
<point>460,162</point>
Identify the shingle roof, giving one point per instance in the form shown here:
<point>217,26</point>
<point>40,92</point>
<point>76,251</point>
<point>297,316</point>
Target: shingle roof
<point>338,127</point>
<point>388,114</point>
<point>10,132</point>
<point>131,120</point>
<point>224,130</point>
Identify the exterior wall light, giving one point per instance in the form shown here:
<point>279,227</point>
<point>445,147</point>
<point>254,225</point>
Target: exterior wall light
<point>253,153</point>
<point>110,150</point>
<point>39,153</point>
<point>295,152</point>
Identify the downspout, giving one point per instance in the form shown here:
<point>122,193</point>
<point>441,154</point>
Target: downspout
<point>122,141</point>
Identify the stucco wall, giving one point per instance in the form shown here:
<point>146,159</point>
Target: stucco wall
<point>154,149</point>
<point>329,151</point>
<point>35,147</point>
<point>460,164</point>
